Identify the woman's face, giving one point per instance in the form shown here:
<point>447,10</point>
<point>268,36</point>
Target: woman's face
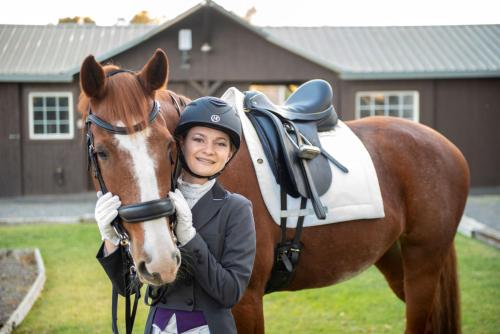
<point>206,150</point>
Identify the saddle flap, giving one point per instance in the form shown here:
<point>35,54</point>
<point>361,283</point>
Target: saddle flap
<point>282,153</point>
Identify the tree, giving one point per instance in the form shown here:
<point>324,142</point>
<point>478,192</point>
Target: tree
<point>142,18</point>
<point>76,19</point>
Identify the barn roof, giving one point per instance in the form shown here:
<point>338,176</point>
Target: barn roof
<point>54,53</point>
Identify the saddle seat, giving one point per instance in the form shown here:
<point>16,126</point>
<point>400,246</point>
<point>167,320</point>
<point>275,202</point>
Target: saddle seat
<point>312,101</point>
<point>289,137</point>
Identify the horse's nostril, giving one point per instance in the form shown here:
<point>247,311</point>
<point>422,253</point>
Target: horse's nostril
<point>141,268</point>
<point>143,271</point>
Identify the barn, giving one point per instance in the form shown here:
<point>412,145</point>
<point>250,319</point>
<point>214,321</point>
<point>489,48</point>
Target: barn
<point>447,77</point>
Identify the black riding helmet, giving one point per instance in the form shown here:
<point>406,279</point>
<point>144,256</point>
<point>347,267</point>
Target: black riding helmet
<point>214,113</point>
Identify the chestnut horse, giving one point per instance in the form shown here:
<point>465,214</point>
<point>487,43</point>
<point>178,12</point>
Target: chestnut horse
<point>423,177</point>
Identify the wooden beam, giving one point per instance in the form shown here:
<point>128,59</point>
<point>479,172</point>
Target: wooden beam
<point>204,87</point>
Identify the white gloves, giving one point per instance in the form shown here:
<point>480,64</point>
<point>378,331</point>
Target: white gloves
<point>106,209</point>
<point>184,229</point>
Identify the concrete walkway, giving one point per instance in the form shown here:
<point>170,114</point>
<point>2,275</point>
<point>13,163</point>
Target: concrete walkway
<point>68,208</point>
<point>481,219</point>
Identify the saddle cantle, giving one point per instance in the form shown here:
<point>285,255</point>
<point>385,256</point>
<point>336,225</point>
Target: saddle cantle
<point>312,101</point>
<point>289,136</point>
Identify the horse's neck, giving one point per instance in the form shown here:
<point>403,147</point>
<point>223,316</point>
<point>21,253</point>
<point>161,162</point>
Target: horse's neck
<point>168,108</point>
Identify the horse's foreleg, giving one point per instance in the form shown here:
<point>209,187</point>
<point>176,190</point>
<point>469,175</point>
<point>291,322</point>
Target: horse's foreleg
<point>249,313</point>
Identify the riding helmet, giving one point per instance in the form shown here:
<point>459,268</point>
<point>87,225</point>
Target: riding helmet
<point>214,113</point>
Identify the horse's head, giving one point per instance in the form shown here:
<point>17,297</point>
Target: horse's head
<point>134,161</point>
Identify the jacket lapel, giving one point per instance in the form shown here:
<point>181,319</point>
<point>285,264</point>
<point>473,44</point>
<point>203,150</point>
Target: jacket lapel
<point>208,206</point>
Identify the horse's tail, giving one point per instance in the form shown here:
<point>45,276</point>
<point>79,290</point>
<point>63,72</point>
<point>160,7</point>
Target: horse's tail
<point>446,310</point>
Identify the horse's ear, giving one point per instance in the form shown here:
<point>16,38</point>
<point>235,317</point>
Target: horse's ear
<point>92,78</point>
<point>154,74</point>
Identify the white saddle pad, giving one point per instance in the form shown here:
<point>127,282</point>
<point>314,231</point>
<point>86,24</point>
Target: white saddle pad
<point>351,196</point>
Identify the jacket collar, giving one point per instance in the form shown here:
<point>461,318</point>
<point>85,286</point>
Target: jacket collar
<point>208,205</point>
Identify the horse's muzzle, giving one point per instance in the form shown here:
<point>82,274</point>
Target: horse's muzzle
<point>145,211</point>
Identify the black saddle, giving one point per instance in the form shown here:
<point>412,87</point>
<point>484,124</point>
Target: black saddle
<point>289,136</point>
<point>312,101</point>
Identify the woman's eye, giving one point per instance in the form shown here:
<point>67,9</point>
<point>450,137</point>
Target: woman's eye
<point>198,140</point>
<point>222,144</point>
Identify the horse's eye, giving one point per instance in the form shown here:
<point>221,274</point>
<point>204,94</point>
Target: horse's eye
<point>102,155</point>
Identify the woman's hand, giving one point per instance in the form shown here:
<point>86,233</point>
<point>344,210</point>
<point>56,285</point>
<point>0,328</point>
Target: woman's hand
<point>184,229</point>
<point>106,209</point>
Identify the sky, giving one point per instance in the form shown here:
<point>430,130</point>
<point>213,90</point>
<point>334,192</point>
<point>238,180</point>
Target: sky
<point>268,12</point>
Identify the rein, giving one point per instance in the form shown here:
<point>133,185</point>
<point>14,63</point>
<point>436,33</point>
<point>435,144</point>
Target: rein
<point>133,213</point>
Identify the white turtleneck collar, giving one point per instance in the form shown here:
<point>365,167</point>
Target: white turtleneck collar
<point>193,192</point>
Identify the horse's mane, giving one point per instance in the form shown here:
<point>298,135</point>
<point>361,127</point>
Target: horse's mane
<point>124,99</point>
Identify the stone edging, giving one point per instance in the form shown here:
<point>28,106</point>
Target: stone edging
<point>29,299</point>
<point>477,230</point>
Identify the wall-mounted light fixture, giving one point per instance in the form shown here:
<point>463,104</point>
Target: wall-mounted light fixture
<point>185,45</point>
<point>206,47</point>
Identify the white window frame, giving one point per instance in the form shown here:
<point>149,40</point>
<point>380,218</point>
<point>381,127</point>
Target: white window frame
<point>50,136</point>
<point>386,94</point>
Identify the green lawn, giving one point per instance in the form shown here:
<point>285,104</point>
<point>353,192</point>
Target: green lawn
<point>76,297</point>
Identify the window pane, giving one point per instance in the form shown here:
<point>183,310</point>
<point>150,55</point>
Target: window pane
<point>393,112</point>
<point>379,111</point>
<point>63,115</point>
<point>39,129</point>
<point>38,101</point>
<point>38,115</point>
<point>51,101</point>
<point>63,101</point>
<point>379,100</point>
<point>51,115</point>
<point>64,128</point>
<point>408,113</point>
<point>364,100</point>
<point>364,113</point>
<point>51,128</point>
<point>393,99</point>
<point>408,99</point>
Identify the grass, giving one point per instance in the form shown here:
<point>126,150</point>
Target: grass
<point>77,293</point>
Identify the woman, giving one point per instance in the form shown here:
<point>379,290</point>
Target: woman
<point>215,228</point>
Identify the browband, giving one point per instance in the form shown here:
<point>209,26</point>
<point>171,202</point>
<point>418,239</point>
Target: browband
<point>121,130</point>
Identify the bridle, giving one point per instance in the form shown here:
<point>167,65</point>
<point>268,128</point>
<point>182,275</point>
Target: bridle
<point>132,213</point>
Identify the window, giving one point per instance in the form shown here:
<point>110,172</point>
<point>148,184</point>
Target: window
<point>51,115</point>
<point>396,103</point>
<point>276,93</point>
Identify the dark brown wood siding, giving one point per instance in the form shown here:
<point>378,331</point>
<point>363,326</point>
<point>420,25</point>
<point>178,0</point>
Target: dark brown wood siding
<point>468,113</point>
<point>238,55</point>
<point>52,166</point>
<point>11,178</point>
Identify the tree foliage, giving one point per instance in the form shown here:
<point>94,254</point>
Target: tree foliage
<point>76,19</point>
<point>142,18</point>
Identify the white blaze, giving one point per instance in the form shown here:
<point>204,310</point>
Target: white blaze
<point>156,235</point>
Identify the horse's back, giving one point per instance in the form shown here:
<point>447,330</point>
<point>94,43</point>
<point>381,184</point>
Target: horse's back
<point>424,169</point>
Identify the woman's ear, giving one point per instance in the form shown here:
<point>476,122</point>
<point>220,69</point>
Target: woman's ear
<point>231,153</point>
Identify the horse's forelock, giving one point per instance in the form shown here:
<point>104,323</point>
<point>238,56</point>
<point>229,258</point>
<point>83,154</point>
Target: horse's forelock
<point>125,100</point>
